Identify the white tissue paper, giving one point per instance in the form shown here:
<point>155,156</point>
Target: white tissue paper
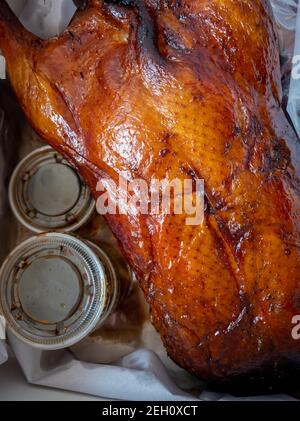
<point>294,95</point>
<point>46,18</point>
<point>2,67</point>
<point>143,374</point>
<point>288,21</point>
<point>3,351</point>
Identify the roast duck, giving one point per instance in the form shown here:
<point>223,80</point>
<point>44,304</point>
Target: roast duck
<point>187,89</point>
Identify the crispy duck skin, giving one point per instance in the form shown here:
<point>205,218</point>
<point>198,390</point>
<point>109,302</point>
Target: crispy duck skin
<point>183,89</point>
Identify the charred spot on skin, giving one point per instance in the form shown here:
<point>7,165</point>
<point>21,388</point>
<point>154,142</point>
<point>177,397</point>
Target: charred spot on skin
<point>125,3</point>
<point>208,209</point>
<point>277,156</point>
<point>253,136</point>
<point>164,152</point>
<point>81,76</point>
<point>120,12</point>
<point>235,235</point>
<point>36,43</point>
<point>220,204</point>
<point>176,40</point>
<point>206,205</point>
<point>72,39</point>
<point>240,233</point>
<point>296,300</point>
<point>228,147</point>
<point>261,78</point>
<point>198,97</point>
<point>166,137</point>
<point>81,4</point>
<point>271,308</point>
<point>227,183</point>
<point>255,128</point>
<point>236,131</point>
<point>189,172</point>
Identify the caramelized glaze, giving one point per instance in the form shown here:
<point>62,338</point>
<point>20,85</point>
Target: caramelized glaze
<point>176,89</point>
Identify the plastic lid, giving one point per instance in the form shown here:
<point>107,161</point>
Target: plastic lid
<point>113,284</point>
<point>47,194</point>
<point>53,290</point>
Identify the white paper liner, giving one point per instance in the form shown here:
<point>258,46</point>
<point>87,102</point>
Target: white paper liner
<point>3,350</point>
<point>294,94</point>
<point>141,375</point>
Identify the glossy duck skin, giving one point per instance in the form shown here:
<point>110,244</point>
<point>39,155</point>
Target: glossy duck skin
<point>189,89</point>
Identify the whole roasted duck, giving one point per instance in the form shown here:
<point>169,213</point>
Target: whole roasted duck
<point>171,89</point>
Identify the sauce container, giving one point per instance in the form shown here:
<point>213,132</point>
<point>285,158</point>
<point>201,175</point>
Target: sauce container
<point>55,289</point>
<point>46,194</point>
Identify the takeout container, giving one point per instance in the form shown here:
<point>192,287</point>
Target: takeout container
<point>46,194</point>
<point>55,289</point>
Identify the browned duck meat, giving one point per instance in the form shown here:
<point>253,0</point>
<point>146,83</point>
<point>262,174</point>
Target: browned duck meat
<point>166,89</point>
